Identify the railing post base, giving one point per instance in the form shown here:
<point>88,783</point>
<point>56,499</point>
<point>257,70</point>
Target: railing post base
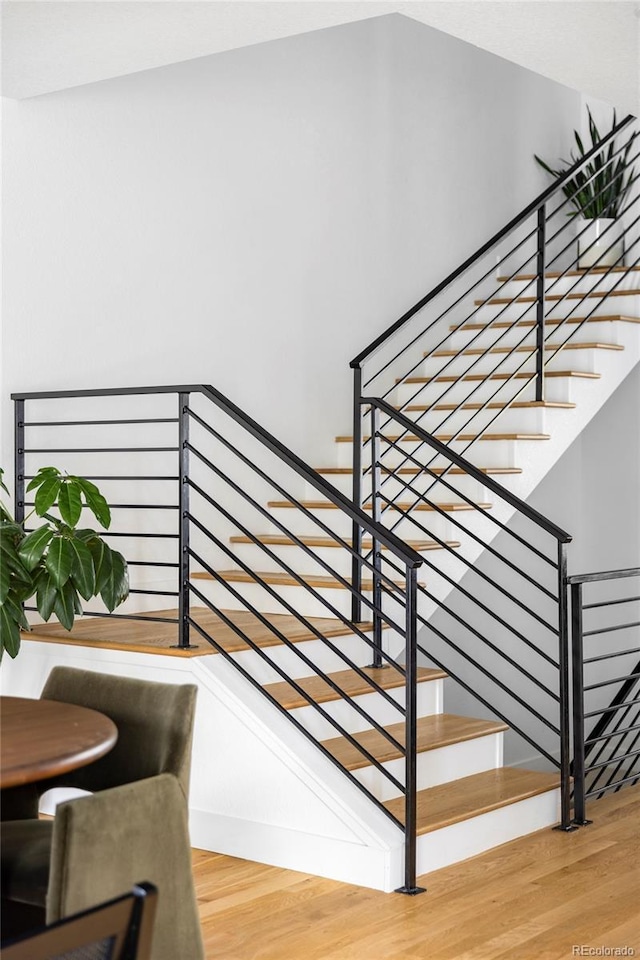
<point>411,891</point>
<point>583,823</point>
<point>566,828</point>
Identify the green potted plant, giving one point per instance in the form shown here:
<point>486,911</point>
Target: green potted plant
<point>598,193</point>
<point>57,563</point>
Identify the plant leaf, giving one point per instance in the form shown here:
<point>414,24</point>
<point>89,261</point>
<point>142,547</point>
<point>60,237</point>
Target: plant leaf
<point>95,502</point>
<point>44,473</point>
<point>70,502</point>
<point>66,604</point>
<point>47,494</point>
<point>34,545</point>
<point>9,632</point>
<point>59,560</point>
<point>116,586</point>
<point>5,582</point>
<point>83,573</point>
<point>46,594</point>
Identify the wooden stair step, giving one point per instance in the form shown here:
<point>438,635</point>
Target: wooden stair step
<point>468,797</point>
<point>327,505</point>
<point>580,374</point>
<point>143,636</point>
<point>592,295</point>
<point>447,437</point>
<point>436,731</point>
<point>348,681</point>
<point>571,273</point>
<point>512,405</point>
<point>549,322</point>
<point>479,351</point>
<point>277,540</point>
<point>281,579</point>
<point>343,471</point>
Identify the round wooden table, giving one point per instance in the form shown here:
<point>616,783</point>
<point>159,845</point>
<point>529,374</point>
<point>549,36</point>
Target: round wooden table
<point>44,738</point>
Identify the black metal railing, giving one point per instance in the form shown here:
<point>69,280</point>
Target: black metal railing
<point>606,683</point>
<point>459,368</point>
<point>493,611</point>
<point>207,500</point>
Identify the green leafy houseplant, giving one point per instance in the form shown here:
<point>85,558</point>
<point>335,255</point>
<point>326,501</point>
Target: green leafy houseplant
<point>601,187</point>
<point>57,562</point>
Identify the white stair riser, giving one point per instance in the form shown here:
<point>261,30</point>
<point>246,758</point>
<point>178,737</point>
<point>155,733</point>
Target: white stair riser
<point>473,391</point>
<point>341,524</point>
<point>464,484</point>
<point>583,360</point>
<point>319,652</point>
<point>561,308</point>
<point>588,283</point>
<point>338,560</point>
<point>500,453</point>
<point>499,420</point>
<point>606,331</point>
<point>435,766</point>
<point>471,837</point>
<point>322,602</point>
<point>429,702</point>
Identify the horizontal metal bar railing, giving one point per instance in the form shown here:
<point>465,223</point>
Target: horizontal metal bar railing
<point>604,757</point>
<point>211,502</point>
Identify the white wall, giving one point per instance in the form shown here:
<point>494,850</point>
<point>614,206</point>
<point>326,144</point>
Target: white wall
<point>252,219</point>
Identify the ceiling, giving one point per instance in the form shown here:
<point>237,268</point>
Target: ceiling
<point>49,45</point>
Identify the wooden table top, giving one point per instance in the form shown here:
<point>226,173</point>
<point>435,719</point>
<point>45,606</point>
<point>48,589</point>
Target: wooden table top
<point>44,738</point>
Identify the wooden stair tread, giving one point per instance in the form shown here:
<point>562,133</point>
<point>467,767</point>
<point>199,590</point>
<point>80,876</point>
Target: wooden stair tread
<point>436,731</point>
<point>327,505</point>
<point>279,578</point>
<point>447,437</point>
<point>282,541</point>
<point>479,351</point>
<point>347,680</point>
<point>468,797</point>
<point>504,324</point>
<point>515,405</point>
<point>150,637</point>
<point>502,376</point>
<point>343,471</point>
<point>570,273</point>
<point>593,294</point>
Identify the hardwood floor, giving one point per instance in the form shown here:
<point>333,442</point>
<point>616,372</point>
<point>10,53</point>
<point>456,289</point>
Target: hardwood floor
<point>532,899</point>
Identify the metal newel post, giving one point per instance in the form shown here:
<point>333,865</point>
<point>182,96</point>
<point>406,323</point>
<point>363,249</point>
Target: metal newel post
<point>356,538</point>
<point>577,665</point>
<point>410,802</point>
<point>18,461</point>
<point>565,711</point>
<point>183,532</point>
<point>376,514</point>
<point>540,303</point>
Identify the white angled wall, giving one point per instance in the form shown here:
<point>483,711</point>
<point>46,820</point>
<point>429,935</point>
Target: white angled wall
<point>252,219</point>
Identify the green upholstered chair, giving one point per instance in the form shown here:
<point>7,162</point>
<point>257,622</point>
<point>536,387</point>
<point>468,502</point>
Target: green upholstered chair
<point>155,727</point>
<point>98,843</point>
<point>155,732</point>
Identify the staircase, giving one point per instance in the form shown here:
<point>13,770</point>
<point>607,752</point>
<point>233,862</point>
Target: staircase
<point>330,605</point>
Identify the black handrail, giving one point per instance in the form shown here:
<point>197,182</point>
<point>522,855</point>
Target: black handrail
<point>469,468</point>
<point>486,247</point>
<point>397,546</point>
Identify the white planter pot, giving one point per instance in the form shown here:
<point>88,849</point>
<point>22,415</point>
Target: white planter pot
<point>600,243</point>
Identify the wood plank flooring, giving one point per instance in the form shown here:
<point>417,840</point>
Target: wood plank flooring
<point>532,899</point>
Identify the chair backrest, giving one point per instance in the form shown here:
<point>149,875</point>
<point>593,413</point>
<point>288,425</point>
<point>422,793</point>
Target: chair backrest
<point>119,929</point>
<point>154,721</point>
<point>101,843</point>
